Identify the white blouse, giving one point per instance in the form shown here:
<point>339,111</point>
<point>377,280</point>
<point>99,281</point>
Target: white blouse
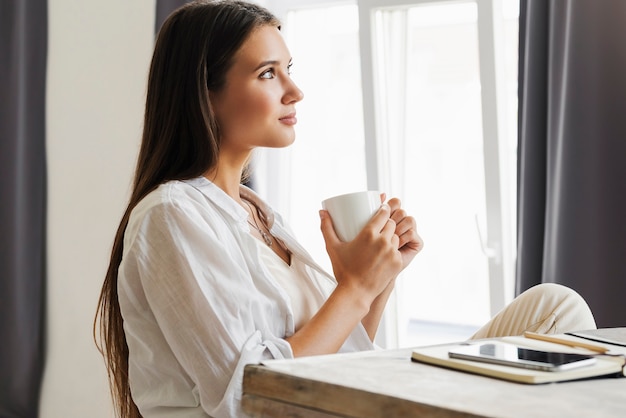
<point>304,300</point>
<point>199,302</point>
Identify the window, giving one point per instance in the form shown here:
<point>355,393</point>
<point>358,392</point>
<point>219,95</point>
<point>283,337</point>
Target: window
<point>417,99</point>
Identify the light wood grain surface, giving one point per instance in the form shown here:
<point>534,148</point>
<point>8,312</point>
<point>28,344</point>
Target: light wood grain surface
<point>388,384</point>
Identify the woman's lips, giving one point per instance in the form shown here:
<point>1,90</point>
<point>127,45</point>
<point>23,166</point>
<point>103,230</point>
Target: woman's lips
<point>289,119</point>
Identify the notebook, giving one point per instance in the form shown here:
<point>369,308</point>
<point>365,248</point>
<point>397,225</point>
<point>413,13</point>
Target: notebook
<point>613,336</point>
<point>438,355</point>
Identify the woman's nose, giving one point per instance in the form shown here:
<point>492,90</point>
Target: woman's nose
<point>293,94</point>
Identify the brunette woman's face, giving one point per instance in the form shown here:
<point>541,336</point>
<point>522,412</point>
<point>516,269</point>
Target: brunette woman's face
<point>256,106</point>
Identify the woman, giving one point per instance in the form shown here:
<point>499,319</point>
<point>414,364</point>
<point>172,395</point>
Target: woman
<point>204,277</point>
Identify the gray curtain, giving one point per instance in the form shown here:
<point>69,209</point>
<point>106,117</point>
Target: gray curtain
<point>163,10</point>
<point>23,51</point>
<point>572,151</point>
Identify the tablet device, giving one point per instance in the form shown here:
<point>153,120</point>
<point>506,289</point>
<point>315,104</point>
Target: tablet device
<point>512,355</point>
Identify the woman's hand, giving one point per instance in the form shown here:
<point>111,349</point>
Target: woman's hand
<point>365,268</point>
<point>410,243</point>
<point>367,264</point>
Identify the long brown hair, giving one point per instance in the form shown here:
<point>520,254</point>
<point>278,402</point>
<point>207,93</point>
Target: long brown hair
<point>193,52</point>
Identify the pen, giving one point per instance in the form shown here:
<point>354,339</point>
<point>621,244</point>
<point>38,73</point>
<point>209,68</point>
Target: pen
<point>564,341</point>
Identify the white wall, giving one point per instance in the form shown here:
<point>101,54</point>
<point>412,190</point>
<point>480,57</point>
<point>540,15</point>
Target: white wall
<point>98,58</point>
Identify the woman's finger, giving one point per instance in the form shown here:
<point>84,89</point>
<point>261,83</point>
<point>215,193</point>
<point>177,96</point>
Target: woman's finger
<point>379,219</point>
<point>389,228</point>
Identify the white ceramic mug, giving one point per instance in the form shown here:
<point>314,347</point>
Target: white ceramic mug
<point>350,212</point>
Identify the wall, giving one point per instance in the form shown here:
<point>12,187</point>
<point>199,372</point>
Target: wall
<point>99,53</point>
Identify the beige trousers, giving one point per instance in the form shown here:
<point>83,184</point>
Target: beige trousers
<point>546,309</point>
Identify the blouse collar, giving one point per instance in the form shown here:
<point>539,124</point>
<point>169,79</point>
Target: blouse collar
<point>228,204</point>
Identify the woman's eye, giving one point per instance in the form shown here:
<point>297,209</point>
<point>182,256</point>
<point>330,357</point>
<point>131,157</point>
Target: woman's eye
<point>289,70</point>
<point>267,74</point>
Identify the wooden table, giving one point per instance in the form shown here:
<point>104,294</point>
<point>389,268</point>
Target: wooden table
<point>388,384</point>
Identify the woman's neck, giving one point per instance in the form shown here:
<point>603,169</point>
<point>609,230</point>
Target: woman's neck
<point>227,177</point>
